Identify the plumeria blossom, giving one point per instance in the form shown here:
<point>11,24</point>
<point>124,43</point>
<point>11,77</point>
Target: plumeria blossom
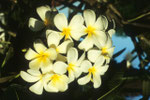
<point>95,29</point>
<point>72,66</point>
<point>57,82</point>
<point>105,49</point>
<point>45,14</point>
<point>71,30</point>
<point>94,72</point>
<point>53,39</point>
<point>42,57</point>
<point>52,68</point>
<point>33,76</point>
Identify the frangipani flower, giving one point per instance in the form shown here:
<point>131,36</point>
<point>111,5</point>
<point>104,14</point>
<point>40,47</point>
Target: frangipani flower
<point>45,14</point>
<point>53,39</point>
<point>58,82</point>
<point>42,56</point>
<point>105,50</point>
<point>72,65</point>
<point>94,72</point>
<point>73,29</point>
<point>36,76</point>
<point>95,29</point>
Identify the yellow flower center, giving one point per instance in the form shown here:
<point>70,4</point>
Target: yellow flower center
<point>42,56</point>
<point>92,70</point>
<point>55,78</point>
<point>57,50</point>
<point>104,52</point>
<point>66,32</point>
<point>90,31</point>
<point>70,67</point>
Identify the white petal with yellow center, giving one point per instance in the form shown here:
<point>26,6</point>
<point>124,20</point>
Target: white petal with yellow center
<point>59,82</point>
<point>66,32</point>
<point>60,21</point>
<point>85,65</point>
<point>50,54</point>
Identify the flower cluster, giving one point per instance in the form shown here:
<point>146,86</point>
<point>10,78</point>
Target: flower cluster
<point>56,65</point>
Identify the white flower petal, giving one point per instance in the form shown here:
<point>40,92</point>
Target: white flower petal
<point>76,21</point>
<point>86,44</point>
<point>78,63</point>
<point>63,47</point>
<point>84,80</point>
<point>103,69</point>
<point>111,32</point>
<point>72,55</point>
<point>43,12</point>
<point>30,54</point>
<point>39,47</point>
<point>35,64</point>
<point>99,61</point>
<point>85,65</point>
<point>99,25</point>
<point>110,51</point>
<point>47,69</point>
<point>60,67</point>
<point>53,38</point>
<point>100,39</point>
<point>29,78</point>
<point>37,88</point>
<point>76,34</point>
<point>89,16</point>
<point>52,53</point>
<point>60,21</point>
<point>49,88</point>
<point>77,72</point>
<point>93,55</point>
<point>48,32</point>
<point>96,81</point>
<point>108,42</point>
<point>34,72</point>
<point>71,76</point>
<point>35,25</point>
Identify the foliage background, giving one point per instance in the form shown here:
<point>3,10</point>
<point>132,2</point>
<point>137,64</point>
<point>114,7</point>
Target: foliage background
<point>132,17</point>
